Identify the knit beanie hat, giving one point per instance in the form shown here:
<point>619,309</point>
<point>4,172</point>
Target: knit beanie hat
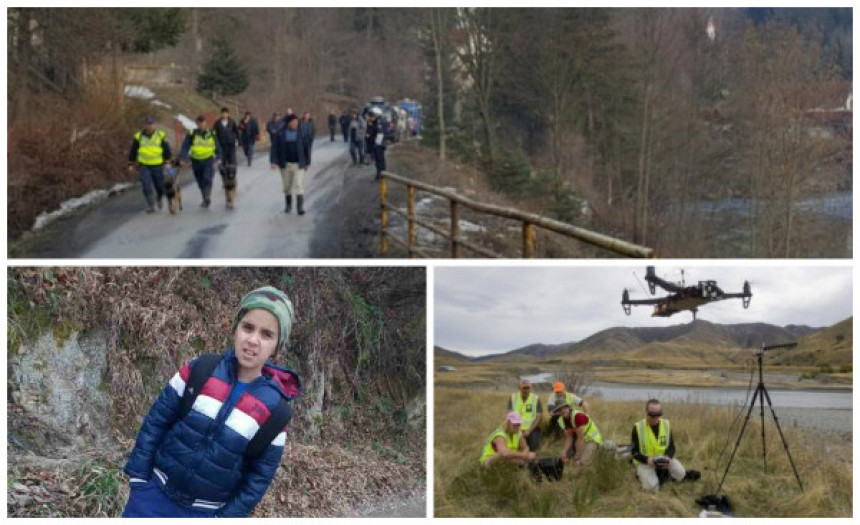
<point>276,303</point>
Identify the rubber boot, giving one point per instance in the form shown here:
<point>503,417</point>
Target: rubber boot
<point>150,204</point>
<point>206,198</point>
<point>160,204</point>
<point>288,203</point>
<point>300,204</point>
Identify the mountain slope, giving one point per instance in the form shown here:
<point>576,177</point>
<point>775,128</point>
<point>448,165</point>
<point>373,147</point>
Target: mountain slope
<point>695,344</point>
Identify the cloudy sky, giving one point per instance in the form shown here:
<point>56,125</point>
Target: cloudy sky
<point>486,310</point>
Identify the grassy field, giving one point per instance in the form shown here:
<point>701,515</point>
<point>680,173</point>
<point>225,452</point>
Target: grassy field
<point>609,488</point>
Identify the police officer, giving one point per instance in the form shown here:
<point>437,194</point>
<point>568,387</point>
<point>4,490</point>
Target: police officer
<point>527,404</point>
<point>204,150</point>
<point>150,150</point>
<point>654,449</point>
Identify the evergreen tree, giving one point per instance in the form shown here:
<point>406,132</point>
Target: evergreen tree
<point>148,30</point>
<point>223,74</point>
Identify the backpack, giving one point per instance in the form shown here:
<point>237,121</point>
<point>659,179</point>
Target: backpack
<point>201,370</point>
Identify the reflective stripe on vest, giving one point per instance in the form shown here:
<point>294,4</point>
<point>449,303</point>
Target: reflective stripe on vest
<point>512,442</point>
<point>203,146</point>
<point>592,433</point>
<point>649,444</point>
<point>149,150</point>
<point>527,408</point>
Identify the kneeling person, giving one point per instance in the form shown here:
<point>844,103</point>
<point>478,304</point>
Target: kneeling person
<point>582,437</point>
<point>507,444</point>
<point>654,449</point>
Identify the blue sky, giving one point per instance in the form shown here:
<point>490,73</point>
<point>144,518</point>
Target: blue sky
<point>484,310</point>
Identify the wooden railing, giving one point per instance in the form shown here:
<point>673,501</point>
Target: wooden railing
<point>530,222</point>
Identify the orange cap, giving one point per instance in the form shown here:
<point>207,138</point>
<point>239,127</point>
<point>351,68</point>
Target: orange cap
<point>558,386</point>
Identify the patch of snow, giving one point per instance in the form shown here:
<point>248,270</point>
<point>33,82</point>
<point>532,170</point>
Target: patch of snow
<point>466,226</point>
<point>160,103</point>
<point>188,123</point>
<point>138,92</point>
<point>45,218</point>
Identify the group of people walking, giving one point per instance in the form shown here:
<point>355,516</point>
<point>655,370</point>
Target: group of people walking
<point>519,438</point>
<point>291,138</point>
<point>364,134</point>
<point>205,147</point>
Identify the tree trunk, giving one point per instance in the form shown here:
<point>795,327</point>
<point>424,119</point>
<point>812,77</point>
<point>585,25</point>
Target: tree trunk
<point>435,30</point>
<point>640,185</point>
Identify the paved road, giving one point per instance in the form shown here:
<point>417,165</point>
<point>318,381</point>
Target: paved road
<point>256,228</point>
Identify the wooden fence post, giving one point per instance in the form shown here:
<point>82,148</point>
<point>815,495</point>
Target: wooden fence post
<point>455,230</point>
<point>383,196</point>
<point>410,209</point>
<point>528,240</point>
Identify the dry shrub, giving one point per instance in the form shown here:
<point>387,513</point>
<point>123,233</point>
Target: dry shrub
<point>158,318</point>
<point>66,148</point>
<point>502,236</point>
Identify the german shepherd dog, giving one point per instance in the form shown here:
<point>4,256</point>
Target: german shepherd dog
<point>171,188</point>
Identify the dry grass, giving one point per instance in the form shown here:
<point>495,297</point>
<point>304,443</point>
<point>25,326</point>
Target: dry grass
<point>609,488</point>
<point>503,236</point>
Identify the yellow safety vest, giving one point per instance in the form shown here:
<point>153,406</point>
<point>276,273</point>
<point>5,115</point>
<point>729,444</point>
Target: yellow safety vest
<point>203,145</point>
<point>571,399</point>
<point>592,433</point>
<point>649,444</point>
<point>512,442</point>
<point>527,408</point>
<point>149,150</point>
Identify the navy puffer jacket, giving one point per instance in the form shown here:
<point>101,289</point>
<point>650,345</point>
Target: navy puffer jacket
<point>199,459</point>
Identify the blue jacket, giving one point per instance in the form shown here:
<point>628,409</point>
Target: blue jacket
<point>199,460</point>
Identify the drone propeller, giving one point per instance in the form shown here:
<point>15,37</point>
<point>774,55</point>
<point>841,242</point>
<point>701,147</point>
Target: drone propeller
<point>747,297</point>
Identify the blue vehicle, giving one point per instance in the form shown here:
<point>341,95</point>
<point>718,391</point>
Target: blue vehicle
<point>413,111</point>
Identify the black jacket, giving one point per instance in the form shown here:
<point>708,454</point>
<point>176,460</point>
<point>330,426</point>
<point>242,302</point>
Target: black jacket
<point>249,131</point>
<point>226,135</point>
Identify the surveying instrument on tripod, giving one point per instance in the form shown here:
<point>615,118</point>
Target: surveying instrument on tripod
<point>761,392</point>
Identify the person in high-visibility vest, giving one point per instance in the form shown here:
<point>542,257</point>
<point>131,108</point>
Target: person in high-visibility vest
<point>654,449</point>
<point>149,151</point>
<point>560,393</point>
<point>582,437</point>
<point>527,404</point>
<point>506,443</point>
<point>205,151</point>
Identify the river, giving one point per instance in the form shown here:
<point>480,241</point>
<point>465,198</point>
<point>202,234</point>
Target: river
<point>838,205</point>
<point>788,398</point>
<point>818,409</point>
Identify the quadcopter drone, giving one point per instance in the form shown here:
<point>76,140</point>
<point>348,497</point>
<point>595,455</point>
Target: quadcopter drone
<point>682,297</point>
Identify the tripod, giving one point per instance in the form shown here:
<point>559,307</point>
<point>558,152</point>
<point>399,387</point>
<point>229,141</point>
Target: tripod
<point>761,392</point>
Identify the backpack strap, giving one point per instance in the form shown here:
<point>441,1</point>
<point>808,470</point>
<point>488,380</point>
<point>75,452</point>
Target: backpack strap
<point>201,370</point>
<point>269,431</point>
